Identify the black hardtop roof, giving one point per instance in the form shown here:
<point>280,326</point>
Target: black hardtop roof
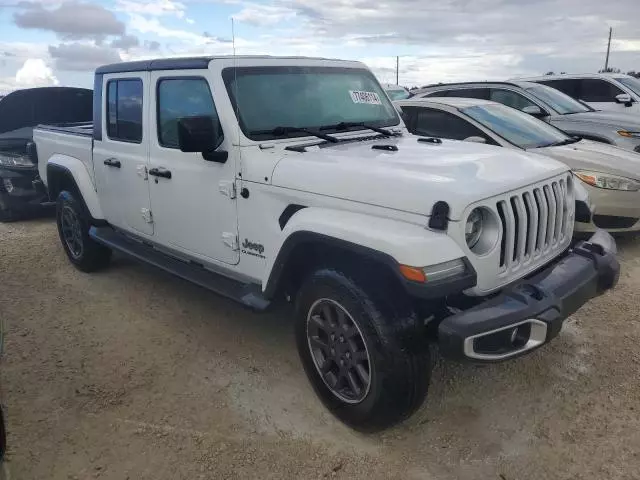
<point>186,63</point>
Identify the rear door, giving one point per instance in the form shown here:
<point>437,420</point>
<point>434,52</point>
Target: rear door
<point>120,157</point>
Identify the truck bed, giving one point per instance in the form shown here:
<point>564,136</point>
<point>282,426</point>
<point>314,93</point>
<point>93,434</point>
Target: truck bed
<point>82,128</point>
<point>68,142</point>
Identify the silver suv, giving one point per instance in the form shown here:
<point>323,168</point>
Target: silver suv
<point>552,106</point>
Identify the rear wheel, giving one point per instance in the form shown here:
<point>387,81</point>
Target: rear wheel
<point>364,352</point>
<point>73,227</point>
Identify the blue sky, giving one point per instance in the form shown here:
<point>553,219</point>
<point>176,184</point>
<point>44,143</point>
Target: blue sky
<point>61,41</point>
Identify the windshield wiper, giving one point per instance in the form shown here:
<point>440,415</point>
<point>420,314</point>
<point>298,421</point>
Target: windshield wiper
<point>347,125</point>
<point>282,131</point>
<point>566,141</point>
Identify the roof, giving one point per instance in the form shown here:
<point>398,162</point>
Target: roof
<point>184,63</point>
<point>575,75</point>
<point>445,86</point>
<point>456,102</point>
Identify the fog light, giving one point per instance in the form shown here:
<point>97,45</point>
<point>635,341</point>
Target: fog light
<point>520,335</point>
<point>8,185</point>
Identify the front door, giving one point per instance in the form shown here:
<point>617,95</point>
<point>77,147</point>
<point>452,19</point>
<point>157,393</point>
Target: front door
<point>120,156</point>
<point>601,94</point>
<point>192,199</point>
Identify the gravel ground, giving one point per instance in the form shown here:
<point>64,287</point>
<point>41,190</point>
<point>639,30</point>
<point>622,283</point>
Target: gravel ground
<point>133,374</point>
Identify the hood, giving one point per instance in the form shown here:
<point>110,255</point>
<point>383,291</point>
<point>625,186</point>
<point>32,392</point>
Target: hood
<point>596,156</point>
<point>413,177</point>
<point>629,121</point>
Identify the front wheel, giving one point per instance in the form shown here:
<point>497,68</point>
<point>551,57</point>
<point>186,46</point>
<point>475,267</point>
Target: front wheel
<point>362,355</point>
<point>73,228</point>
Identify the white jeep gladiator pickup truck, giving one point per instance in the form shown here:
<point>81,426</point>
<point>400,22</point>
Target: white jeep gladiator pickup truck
<point>262,178</point>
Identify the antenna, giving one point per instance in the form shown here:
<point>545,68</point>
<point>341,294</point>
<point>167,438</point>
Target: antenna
<point>606,62</point>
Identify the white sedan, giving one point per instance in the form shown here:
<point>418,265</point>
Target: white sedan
<point>610,174</point>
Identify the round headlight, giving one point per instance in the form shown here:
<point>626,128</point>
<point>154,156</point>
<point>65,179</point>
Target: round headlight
<point>473,228</point>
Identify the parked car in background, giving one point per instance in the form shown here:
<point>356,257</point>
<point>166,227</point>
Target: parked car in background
<point>552,106</point>
<point>265,178</point>
<point>610,174</point>
<point>396,92</point>
<point>602,91</point>
<point>21,190</point>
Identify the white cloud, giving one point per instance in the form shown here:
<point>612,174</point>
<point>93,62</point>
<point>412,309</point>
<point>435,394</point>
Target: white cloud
<point>263,15</point>
<point>35,73</point>
<point>153,25</point>
<point>156,8</point>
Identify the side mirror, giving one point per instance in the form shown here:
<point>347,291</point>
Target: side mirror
<point>624,98</point>
<point>475,139</point>
<point>201,135</point>
<point>535,111</point>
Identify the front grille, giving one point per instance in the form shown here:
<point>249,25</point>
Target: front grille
<point>534,222</point>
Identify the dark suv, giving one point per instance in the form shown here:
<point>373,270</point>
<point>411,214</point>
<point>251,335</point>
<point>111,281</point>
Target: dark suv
<point>21,191</point>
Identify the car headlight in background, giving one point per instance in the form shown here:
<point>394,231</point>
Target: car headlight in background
<point>628,134</point>
<point>608,181</point>
<point>8,159</point>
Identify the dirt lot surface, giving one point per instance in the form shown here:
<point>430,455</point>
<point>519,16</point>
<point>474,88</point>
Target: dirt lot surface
<point>133,374</point>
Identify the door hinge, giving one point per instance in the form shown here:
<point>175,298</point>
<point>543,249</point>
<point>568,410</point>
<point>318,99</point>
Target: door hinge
<point>227,188</point>
<point>141,170</point>
<point>146,214</point>
<point>230,240</point>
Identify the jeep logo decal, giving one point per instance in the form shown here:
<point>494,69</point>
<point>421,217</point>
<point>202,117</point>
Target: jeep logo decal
<point>248,245</point>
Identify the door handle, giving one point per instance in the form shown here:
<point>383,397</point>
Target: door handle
<point>160,172</point>
<point>112,162</point>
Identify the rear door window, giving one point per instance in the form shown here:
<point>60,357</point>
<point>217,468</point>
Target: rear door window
<point>124,110</point>
<point>510,98</point>
<point>569,86</point>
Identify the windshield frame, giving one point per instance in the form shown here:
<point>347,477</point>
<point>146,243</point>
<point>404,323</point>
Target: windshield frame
<point>229,74</point>
<point>531,90</point>
<point>633,85</point>
<point>516,112</point>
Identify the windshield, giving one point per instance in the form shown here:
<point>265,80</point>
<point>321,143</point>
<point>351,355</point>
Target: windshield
<point>631,83</point>
<point>305,97</point>
<point>399,94</point>
<point>518,128</point>
<point>558,101</point>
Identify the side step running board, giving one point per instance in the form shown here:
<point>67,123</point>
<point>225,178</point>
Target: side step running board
<point>248,294</point>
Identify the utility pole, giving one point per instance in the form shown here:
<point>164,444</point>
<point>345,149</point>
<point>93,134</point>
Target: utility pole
<point>397,70</point>
<point>606,62</point>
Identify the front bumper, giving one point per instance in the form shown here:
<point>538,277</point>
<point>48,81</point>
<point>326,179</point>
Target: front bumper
<point>613,210</point>
<point>531,312</point>
<point>21,190</point>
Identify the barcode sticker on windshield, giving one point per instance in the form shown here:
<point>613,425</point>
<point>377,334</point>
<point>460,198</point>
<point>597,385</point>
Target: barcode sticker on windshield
<point>371,98</point>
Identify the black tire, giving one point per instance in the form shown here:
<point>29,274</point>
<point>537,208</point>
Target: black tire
<point>399,356</point>
<point>85,254</point>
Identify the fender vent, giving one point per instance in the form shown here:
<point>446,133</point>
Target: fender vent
<point>287,213</point>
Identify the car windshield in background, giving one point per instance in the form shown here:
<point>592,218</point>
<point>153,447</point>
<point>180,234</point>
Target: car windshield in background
<point>398,94</point>
<point>518,128</point>
<point>266,98</point>
<point>631,83</point>
<point>561,103</point>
